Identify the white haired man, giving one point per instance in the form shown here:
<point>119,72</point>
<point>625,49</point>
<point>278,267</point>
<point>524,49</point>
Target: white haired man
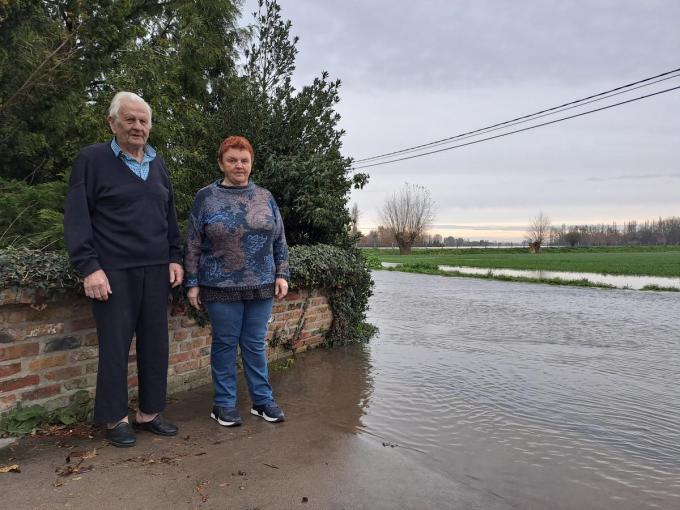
<point>121,232</point>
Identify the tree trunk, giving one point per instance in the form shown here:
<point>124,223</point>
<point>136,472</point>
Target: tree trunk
<point>404,249</point>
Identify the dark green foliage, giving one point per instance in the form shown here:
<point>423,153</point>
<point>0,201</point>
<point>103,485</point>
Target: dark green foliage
<point>47,271</point>
<point>343,274</point>
<point>26,420</point>
<point>62,61</point>
<point>30,215</point>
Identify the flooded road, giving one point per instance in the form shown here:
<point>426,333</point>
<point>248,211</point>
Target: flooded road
<point>545,396</point>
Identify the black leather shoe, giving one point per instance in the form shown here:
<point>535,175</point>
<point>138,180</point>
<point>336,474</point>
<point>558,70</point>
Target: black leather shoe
<point>158,425</point>
<point>121,435</point>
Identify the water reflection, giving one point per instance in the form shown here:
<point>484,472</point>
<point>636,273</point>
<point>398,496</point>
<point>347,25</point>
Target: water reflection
<point>535,392</point>
<point>618,281</point>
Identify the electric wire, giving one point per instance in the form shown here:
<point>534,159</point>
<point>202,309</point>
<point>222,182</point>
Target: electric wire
<point>529,116</point>
<point>361,167</point>
<point>507,124</point>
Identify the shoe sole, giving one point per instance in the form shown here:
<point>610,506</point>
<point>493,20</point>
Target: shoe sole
<point>225,423</point>
<point>121,445</point>
<point>264,415</point>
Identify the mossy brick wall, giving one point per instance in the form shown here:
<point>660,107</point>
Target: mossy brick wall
<point>48,345</point>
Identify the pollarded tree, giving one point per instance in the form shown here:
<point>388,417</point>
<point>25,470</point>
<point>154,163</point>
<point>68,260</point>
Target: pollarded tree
<point>537,232</point>
<point>407,213</point>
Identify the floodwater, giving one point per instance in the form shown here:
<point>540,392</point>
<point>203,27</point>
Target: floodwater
<point>544,396</point>
<point>618,281</point>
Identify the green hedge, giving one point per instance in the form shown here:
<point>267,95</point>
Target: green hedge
<point>342,273</point>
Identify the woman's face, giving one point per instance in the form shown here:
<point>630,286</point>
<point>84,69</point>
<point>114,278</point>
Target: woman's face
<point>236,165</point>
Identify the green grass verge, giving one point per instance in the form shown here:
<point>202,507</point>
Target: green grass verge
<point>643,260</point>
<point>423,269</point>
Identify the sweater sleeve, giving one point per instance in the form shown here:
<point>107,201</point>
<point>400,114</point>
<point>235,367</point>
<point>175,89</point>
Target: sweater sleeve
<point>174,237</point>
<point>280,245</point>
<point>77,221</point>
<point>194,246</point>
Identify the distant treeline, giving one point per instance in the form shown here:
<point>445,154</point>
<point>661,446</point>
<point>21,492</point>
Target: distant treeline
<point>655,232</point>
<point>633,233</point>
<point>382,238</point>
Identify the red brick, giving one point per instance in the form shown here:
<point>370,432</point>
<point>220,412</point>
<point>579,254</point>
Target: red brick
<point>7,370</point>
<point>62,374</point>
<point>7,401</point>
<point>84,323</point>
<point>196,343</point>
<point>44,392</point>
<point>180,335</point>
<point>200,332</point>
<point>133,381</point>
<point>18,351</point>
<point>91,368</point>
<point>180,368</point>
<point>21,382</point>
<point>47,362</point>
<point>178,358</point>
<point>91,339</point>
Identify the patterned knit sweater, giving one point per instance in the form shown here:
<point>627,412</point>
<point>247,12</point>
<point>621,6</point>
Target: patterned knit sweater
<point>235,242</point>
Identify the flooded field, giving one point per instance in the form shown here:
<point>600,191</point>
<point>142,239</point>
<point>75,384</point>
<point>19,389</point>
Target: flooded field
<point>618,281</point>
<point>543,396</point>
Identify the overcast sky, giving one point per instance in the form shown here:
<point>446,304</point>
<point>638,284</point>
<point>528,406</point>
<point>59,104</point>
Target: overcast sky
<point>414,72</point>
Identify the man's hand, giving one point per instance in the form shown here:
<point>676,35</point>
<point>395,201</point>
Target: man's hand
<point>97,285</point>
<point>176,274</point>
<point>194,297</point>
<point>280,288</point>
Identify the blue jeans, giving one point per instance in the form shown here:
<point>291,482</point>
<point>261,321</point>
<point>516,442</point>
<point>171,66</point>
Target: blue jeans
<point>244,324</point>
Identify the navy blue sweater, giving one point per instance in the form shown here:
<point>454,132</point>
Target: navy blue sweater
<point>115,220</point>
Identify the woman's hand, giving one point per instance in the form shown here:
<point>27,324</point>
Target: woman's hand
<point>194,298</point>
<point>280,288</point>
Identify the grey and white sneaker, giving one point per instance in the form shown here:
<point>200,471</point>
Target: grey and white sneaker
<point>270,412</point>
<point>225,416</point>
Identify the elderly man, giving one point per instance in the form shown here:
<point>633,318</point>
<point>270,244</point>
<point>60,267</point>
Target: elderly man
<point>122,236</point>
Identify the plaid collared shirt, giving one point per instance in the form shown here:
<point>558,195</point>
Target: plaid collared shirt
<point>141,170</point>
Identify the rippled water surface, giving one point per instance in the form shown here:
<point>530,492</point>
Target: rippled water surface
<point>546,396</point>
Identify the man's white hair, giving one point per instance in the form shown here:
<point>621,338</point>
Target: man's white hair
<point>123,97</point>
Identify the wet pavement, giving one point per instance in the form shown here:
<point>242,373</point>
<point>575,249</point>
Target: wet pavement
<point>475,394</point>
<point>313,460</point>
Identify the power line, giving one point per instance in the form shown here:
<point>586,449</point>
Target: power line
<point>512,121</point>
<point>517,130</point>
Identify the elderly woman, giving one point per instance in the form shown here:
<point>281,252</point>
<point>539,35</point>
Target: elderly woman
<point>236,262</point>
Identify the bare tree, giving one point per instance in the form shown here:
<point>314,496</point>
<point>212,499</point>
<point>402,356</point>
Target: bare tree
<point>407,213</point>
<point>354,217</point>
<point>537,232</point>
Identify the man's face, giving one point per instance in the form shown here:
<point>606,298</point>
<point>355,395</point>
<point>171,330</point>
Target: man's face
<point>236,165</point>
<point>132,126</point>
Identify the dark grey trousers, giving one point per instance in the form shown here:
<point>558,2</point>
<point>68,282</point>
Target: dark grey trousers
<point>137,305</point>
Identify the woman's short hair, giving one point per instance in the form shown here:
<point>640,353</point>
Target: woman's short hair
<point>235,142</point>
<point>122,97</point>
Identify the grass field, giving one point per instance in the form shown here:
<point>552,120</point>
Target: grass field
<point>643,260</point>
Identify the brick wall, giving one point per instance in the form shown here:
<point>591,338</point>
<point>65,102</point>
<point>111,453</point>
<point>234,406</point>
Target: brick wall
<point>48,347</point>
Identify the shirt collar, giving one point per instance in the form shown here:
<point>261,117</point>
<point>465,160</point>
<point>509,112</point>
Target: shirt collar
<point>149,152</point>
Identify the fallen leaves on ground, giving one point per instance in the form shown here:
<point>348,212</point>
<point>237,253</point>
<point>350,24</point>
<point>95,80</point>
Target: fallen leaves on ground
<point>200,487</point>
<point>74,469</point>
<point>14,468</point>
